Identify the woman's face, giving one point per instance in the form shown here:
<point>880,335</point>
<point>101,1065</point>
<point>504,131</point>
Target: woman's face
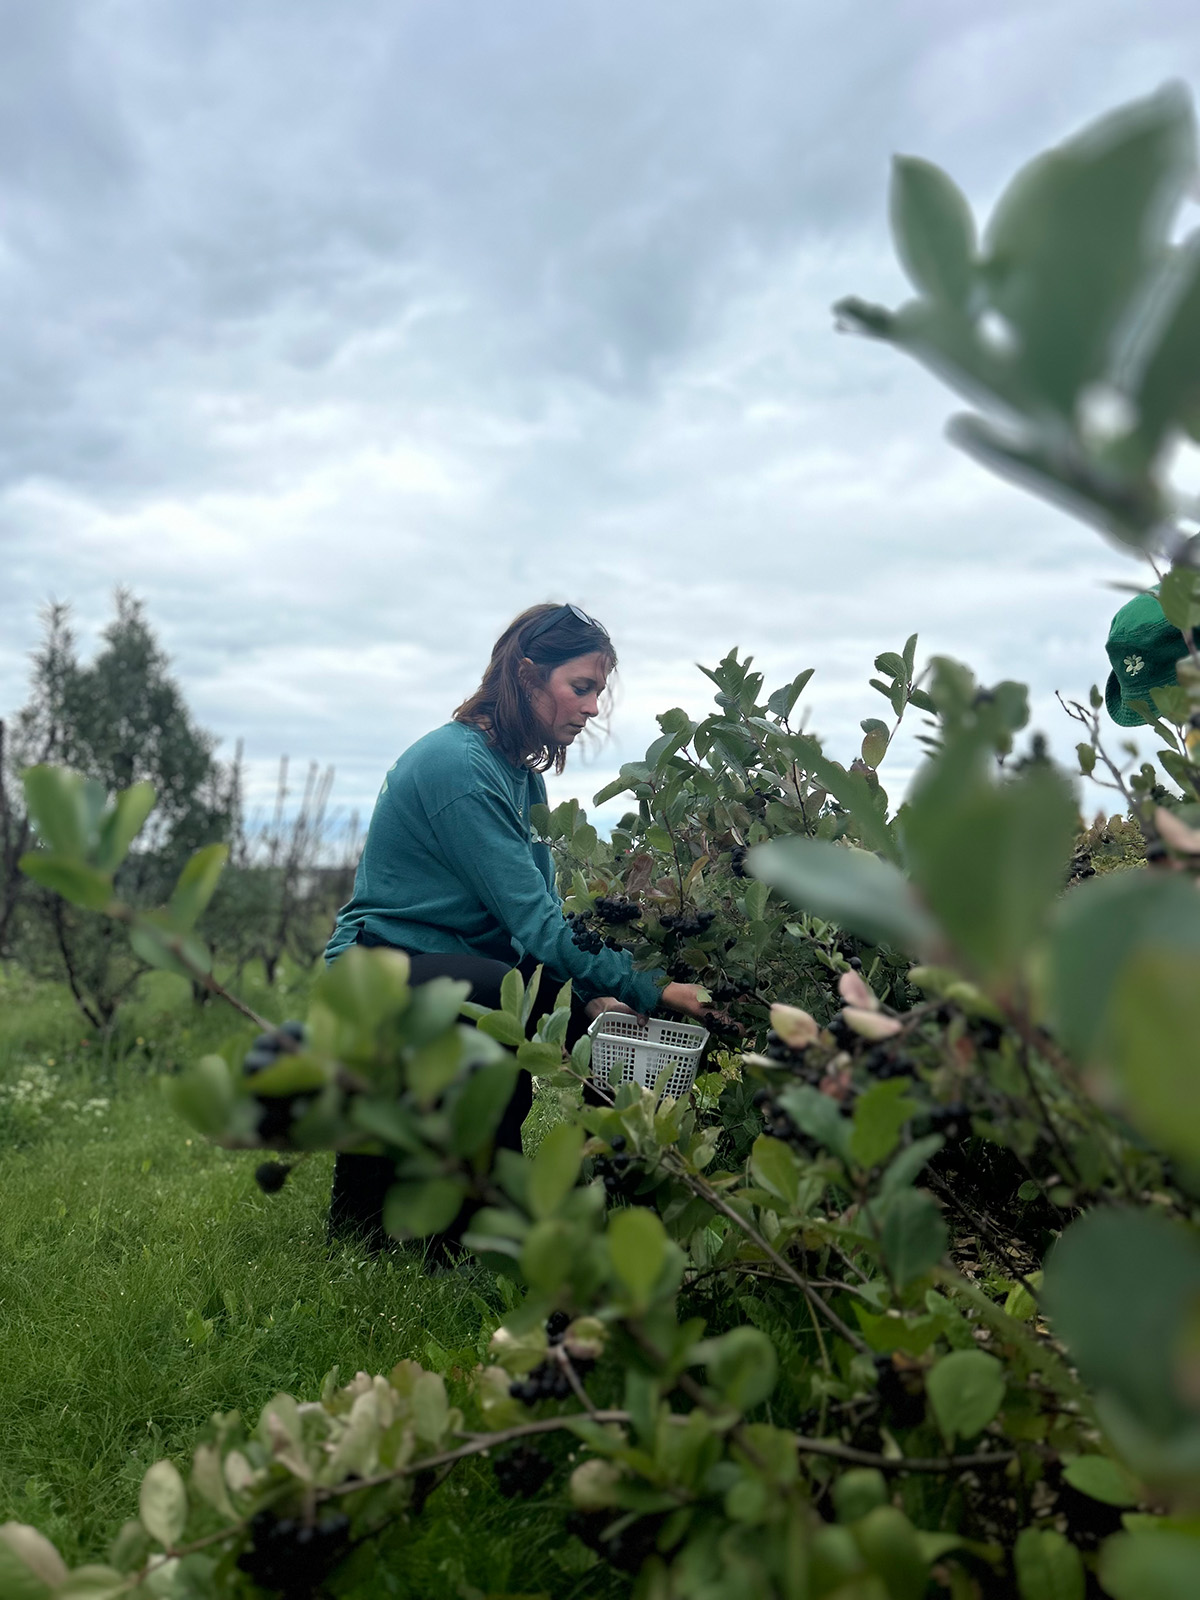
<point>570,696</point>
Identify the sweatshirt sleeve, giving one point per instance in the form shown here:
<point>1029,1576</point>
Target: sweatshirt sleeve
<point>483,839</point>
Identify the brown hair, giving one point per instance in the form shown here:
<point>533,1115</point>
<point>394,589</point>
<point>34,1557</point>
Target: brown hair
<point>501,707</point>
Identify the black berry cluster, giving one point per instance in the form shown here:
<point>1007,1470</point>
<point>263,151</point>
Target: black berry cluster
<point>549,1381</point>
<point>266,1050</point>
<point>291,1556</point>
<point>687,924</point>
<point>889,1064</point>
<point>546,1382</point>
<point>587,939</point>
<point>901,1394</point>
<point>615,1170</point>
<point>623,1544</point>
<point>617,911</point>
<point>271,1176</point>
<point>737,861</point>
<point>278,1111</point>
<point>785,1054</point>
<point>522,1472</point>
<point>779,1125</point>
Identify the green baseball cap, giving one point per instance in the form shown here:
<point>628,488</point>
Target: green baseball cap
<point>1143,648</point>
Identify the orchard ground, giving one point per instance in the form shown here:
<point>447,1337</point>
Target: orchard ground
<point>145,1282</point>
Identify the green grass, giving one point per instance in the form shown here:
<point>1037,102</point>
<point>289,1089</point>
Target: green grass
<point>146,1282</point>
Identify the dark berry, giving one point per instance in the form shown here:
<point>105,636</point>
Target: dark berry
<point>522,1472</point>
<point>271,1176</point>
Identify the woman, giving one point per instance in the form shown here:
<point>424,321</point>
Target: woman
<point>450,872</point>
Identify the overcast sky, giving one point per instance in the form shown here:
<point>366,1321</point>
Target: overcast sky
<point>341,333</point>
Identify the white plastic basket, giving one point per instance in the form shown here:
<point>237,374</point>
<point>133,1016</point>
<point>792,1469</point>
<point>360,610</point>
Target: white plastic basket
<point>627,1050</point>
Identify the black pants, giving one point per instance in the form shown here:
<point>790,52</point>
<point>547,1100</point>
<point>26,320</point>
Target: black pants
<point>361,1182</point>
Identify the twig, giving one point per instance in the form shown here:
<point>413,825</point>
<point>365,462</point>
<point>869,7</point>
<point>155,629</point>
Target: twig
<point>478,1444</point>
<point>867,1458</point>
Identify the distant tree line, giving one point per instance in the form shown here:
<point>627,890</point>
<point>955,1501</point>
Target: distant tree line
<point>122,718</point>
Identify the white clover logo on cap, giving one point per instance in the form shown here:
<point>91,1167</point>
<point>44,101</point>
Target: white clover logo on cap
<point>1133,665</point>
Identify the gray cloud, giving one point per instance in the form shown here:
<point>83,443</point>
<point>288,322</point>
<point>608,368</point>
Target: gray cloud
<point>343,333</point>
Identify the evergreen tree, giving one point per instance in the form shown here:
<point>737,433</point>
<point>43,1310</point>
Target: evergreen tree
<point>120,719</point>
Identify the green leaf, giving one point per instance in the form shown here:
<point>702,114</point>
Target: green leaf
<point>989,859</point>
<point>637,1247</point>
<point>30,1566</point>
<point>502,1025</point>
<point>909,1164</point>
<point>857,1492</point>
<point>966,1390</point>
<point>666,745</point>
<point>162,1503</point>
<point>93,1583</point>
<point>1048,1566</point>
<point>756,901</point>
<point>742,1365</point>
<point>659,839</point>
<point>531,994</point>
<point>208,1480</point>
<point>1155,1006</point>
<point>611,790</point>
<point>1101,1478</point>
<point>1167,356</point>
<point>555,1168</point>
<point>1179,597</point>
<point>1118,1288</point>
<point>415,1210</point>
<point>512,994</point>
<point>874,747</point>
<point>891,1548</point>
<point>850,887</point>
<point>122,825</point>
<point>385,1120</point>
<point>817,1115</point>
<point>1158,1564</point>
<point>1098,928</point>
<point>912,1235</point>
<point>774,1167</point>
<point>781,702</point>
<point>1075,231</point>
<point>852,791</point>
<point>547,1255</point>
<point>203,1094</point>
<point>435,1065</point>
<point>59,810</point>
<point>156,944</point>
<point>81,885</point>
<point>879,1115</point>
<point>933,229</point>
<point>476,1112</point>
<point>540,1057</point>
<point>364,986</point>
<point>196,886</point>
<point>17,1581</point>
<point>890,664</point>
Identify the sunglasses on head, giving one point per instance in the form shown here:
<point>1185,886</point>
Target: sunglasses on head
<point>560,614</point>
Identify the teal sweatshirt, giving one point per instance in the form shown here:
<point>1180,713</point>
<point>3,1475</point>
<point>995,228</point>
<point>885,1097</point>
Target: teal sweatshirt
<point>450,864</point>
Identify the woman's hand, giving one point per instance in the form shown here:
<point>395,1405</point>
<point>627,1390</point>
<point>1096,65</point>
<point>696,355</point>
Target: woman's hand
<point>606,1002</point>
<point>686,997</point>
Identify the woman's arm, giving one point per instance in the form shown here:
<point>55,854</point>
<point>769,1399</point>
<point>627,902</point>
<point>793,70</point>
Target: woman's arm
<point>483,838</point>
